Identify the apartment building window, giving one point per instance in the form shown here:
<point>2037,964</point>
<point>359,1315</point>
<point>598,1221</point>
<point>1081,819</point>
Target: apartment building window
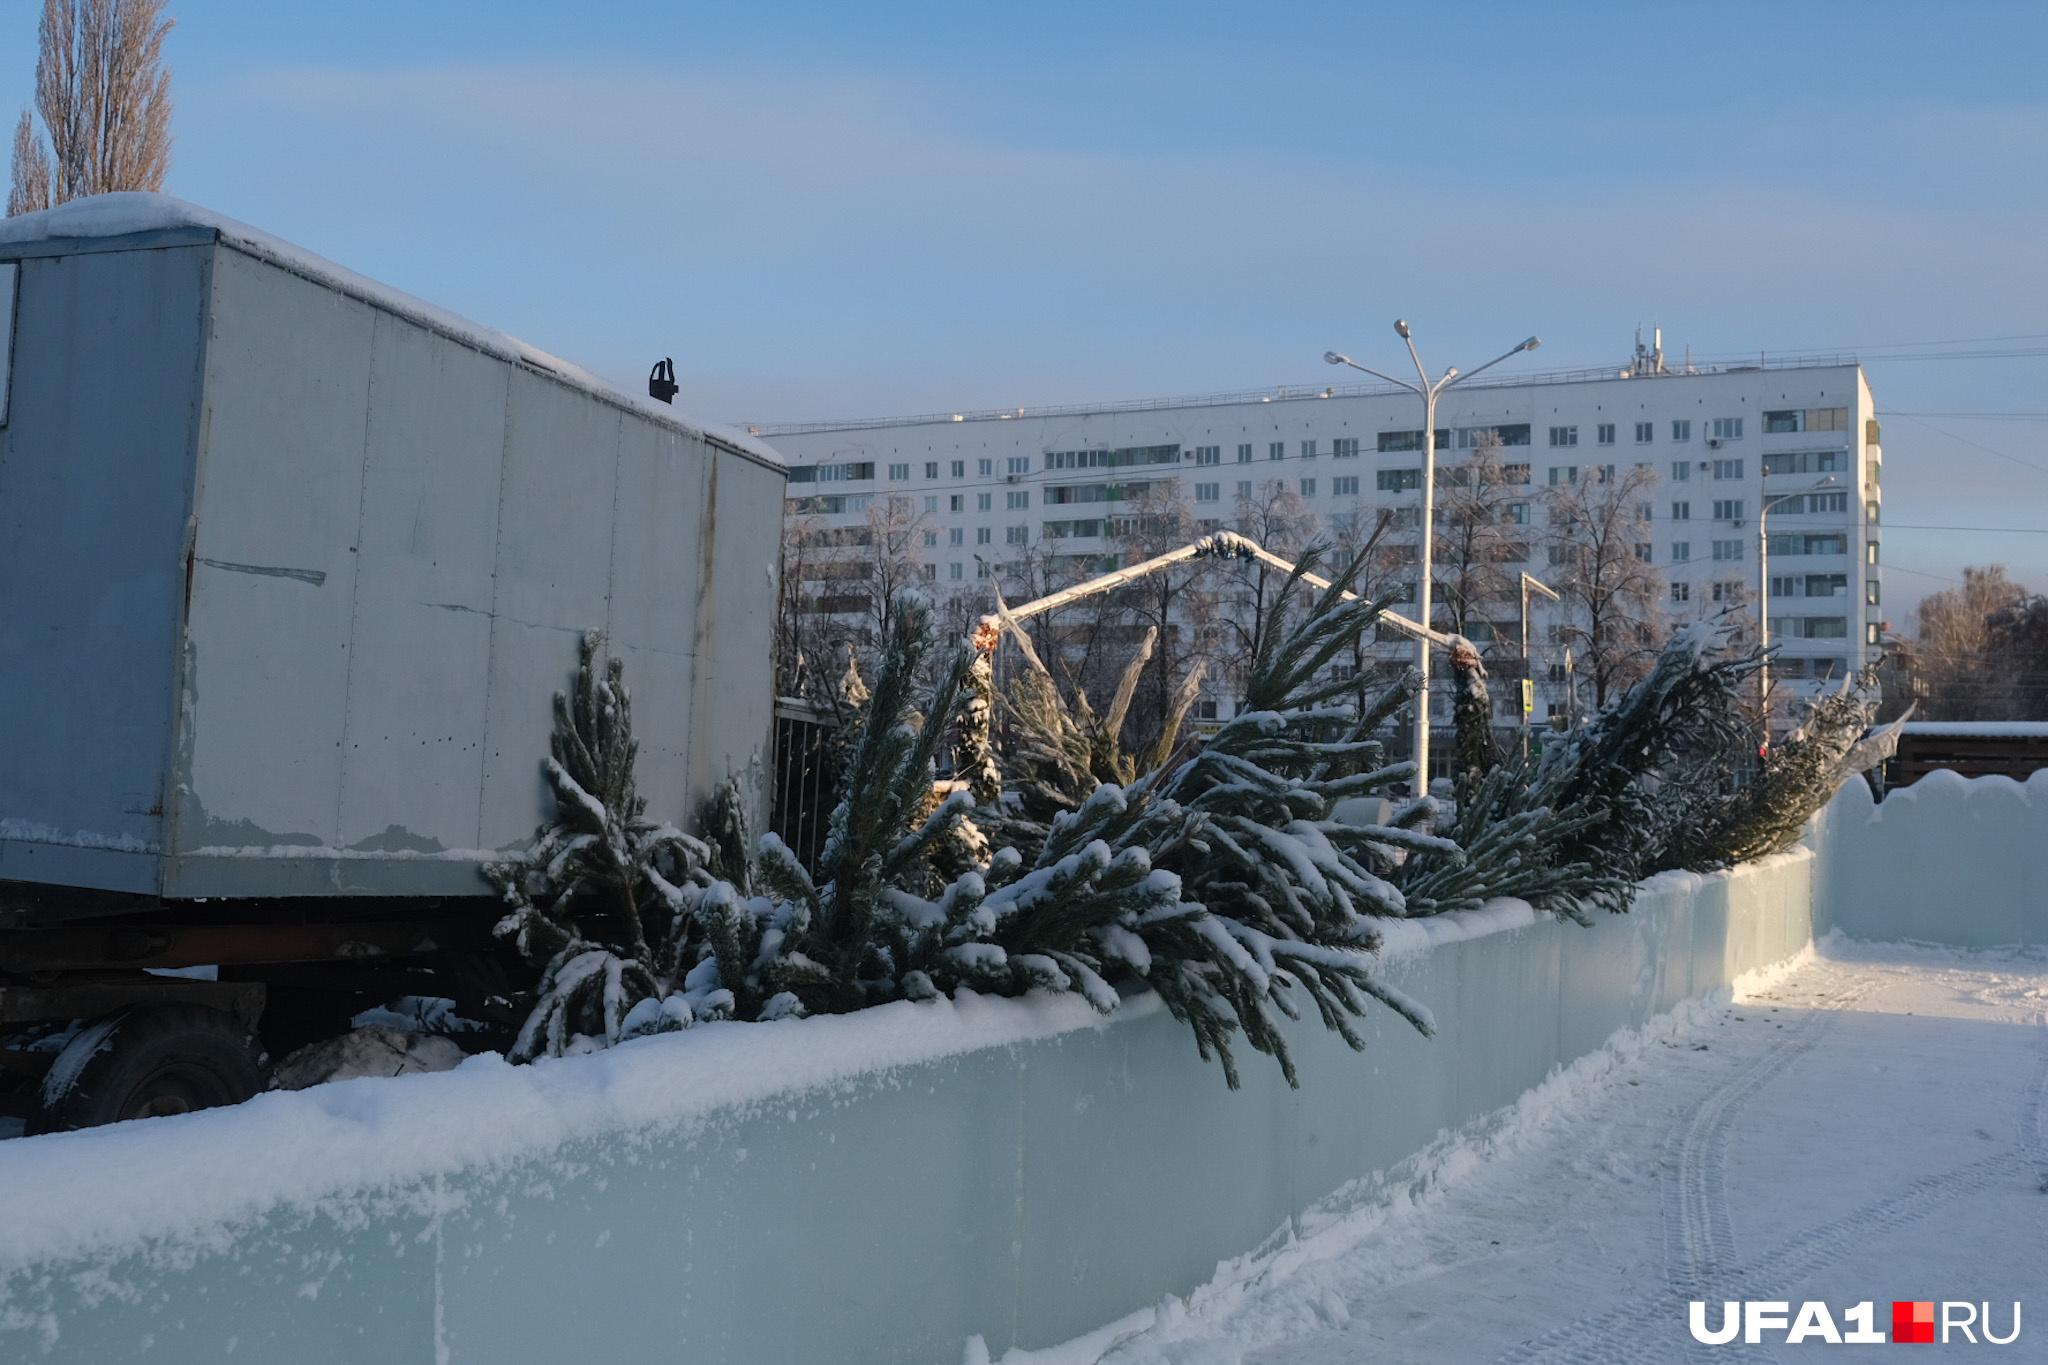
<point>1563,474</point>
<point>1727,469</point>
<point>1017,535</point>
<point>1244,453</point>
<point>931,502</point>
<point>1017,499</point>
<point>1564,436</point>
<point>986,468</point>
<point>1511,434</point>
<point>1643,551</point>
<point>1208,492</point>
<point>1727,428</point>
<point>1872,593</point>
<point>1728,549</point>
<point>1646,432</point>
<point>956,502</point>
<point>1244,488</point>
<point>1681,430</point>
<point>957,536</point>
<point>983,535</point>
<point>1681,552</point>
<point>984,502</point>
<point>1681,592</point>
<point>1412,440</point>
<point>1514,473</point>
<point>1870,634</point>
<point>1397,480</point>
<point>899,473</point>
<point>1645,512</point>
<point>1681,471</point>
<point>1604,433</point>
<point>1815,627</point>
<point>931,469</point>
<point>1344,448</point>
<point>930,571</point>
<point>1308,488</point>
<point>1808,419</point>
<point>1344,486</point>
<point>1208,454</point>
<point>1870,511</point>
<point>1870,552</point>
<point>1276,450</point>
<point>931,540</point>
<point>1308,450</point>
<point>1681,511</point>
<point>959,469</point>
<point>1020,464</point>
<point>1603,473</point>
<point>981,568</point>
<point>1727,509</point>
<point>1804,462</point>
<point>1515,514</point>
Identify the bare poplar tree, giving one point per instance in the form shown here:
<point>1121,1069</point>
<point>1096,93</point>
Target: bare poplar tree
<point>105,101</point>
<point>1599,553</point>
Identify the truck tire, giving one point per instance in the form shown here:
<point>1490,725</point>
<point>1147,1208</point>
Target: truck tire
<point>150,1061</point>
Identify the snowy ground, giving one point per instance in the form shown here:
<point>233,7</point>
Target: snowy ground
<point>1867,1124</point>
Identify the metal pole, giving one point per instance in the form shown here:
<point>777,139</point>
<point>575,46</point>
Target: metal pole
<point>1528,697</point>
<point>1763,602</point>
<point>1423,614</point>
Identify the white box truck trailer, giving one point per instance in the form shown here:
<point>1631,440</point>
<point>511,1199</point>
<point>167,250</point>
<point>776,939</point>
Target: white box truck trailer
<point>291,567</point>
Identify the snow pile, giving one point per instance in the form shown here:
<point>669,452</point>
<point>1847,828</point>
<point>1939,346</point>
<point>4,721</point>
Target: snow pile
<point>69,1195</point>
<point>119,215</point>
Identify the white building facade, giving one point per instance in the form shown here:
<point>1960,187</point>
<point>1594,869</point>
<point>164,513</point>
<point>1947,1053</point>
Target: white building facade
<point>989,487</point>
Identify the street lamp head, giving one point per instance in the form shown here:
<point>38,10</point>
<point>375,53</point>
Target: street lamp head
<point>1333,358</point>
<point>1531,344</point>
<point>1401,328</point>
<point>1451,373</point>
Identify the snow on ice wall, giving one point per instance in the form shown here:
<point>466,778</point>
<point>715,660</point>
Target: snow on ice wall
<point>875,1187</point>
<point>1949,860</point>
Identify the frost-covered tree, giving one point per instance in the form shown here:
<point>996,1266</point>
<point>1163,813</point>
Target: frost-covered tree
<point>596,904</point>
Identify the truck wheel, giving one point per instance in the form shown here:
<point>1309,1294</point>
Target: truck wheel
<point>147,1062</point>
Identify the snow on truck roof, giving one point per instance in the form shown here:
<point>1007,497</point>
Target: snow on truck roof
<point>131,212</point>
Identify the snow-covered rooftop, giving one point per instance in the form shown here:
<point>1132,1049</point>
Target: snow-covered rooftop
<point>127,213</point>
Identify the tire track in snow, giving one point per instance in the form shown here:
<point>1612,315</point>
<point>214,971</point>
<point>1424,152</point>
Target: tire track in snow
<point>1700,1248</point>
<point>1699,1240</point>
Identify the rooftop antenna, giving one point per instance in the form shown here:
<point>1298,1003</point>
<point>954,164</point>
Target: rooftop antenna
<point>661,380</point>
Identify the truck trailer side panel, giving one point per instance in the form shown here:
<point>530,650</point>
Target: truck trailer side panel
<point>285,602</point>
<point>95,491</point>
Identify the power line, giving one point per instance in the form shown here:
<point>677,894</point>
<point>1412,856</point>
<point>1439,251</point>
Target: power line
<point>1999,416</point>
<point>1993,530</point>
<point>2024,464</point>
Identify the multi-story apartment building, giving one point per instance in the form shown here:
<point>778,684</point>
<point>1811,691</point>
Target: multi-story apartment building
<point>984,489</point>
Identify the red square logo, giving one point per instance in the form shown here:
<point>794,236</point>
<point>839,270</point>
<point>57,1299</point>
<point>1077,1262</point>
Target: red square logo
<point>1913,1322</point>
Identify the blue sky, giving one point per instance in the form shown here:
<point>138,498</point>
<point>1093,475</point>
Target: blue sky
<point>833,210</point>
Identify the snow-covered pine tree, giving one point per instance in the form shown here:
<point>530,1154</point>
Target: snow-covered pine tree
<point>1655,761</point>
<point>1512,828</point>
<point>1293,889</point>
<point>596,903</point>
<point>1765,814</point>
<point>1061,751</point>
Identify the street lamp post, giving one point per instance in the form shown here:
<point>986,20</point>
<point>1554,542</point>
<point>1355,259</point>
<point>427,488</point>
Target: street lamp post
<point>1528,680</point>
<point>1427,392</point>
<point>1763,597</point>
